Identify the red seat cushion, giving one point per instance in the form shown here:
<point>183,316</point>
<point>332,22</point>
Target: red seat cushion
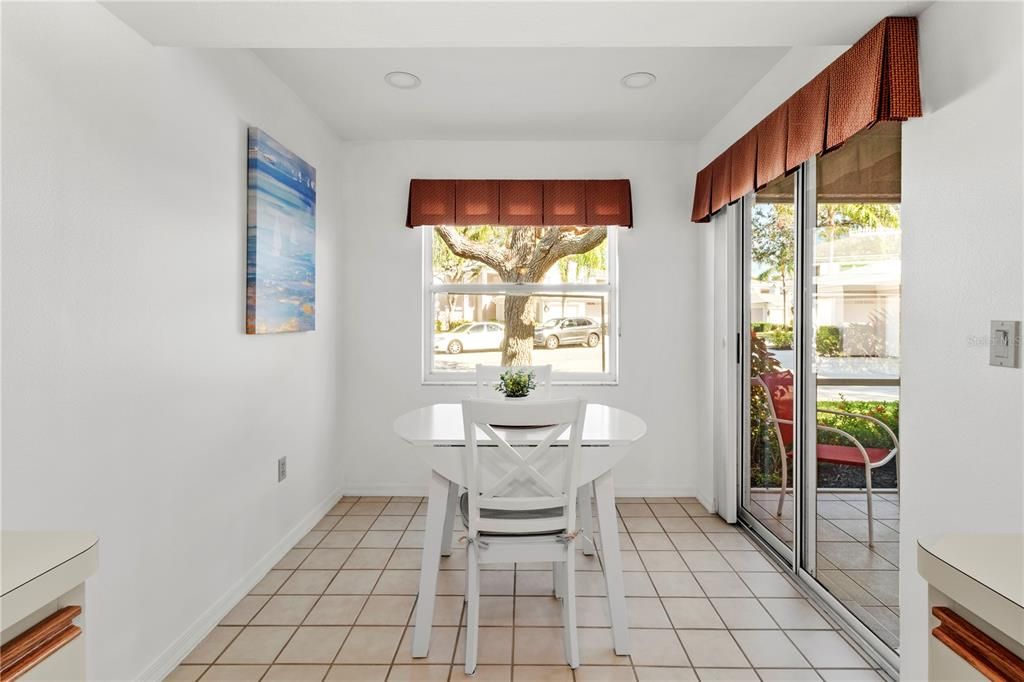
<point>847,454</point>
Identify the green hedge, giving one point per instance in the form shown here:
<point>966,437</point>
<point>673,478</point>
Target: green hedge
<point>781,338</point>
<point>438,325</point>
<point>766,326</point>
<point>869,434</point>
<point>828,341</point>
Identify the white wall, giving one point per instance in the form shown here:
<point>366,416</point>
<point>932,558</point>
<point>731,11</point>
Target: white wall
<point>661,345</point>
<point>962,460</point>
<point>134,406</point>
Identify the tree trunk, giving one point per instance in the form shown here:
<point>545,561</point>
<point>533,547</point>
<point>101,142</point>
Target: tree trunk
<point>517,348</point>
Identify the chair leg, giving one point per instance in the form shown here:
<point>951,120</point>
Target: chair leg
<point>586,515</point>
<point>472,609</point>
<point>782,492</point>
<point>557,579</point>
<point>572,645</point>
<point>871,530</point>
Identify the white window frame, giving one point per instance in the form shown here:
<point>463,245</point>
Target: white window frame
<point>609,290</point>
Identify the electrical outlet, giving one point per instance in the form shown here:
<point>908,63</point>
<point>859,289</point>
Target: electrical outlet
<point>282,469</point>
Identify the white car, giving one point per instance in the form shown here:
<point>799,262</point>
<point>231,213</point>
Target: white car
<point>470,336</point>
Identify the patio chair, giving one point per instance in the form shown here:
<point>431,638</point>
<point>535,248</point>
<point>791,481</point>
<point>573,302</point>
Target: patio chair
<point>778,386</point>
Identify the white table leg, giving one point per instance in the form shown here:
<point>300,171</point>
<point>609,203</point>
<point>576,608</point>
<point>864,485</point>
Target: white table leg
<point>437,509</point>
<point>606,519</point>
<point>451,509</point>
<point>586,514</point>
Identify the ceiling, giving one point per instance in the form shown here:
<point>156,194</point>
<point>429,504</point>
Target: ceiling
<point>519,94</point>
<point>513,69</point>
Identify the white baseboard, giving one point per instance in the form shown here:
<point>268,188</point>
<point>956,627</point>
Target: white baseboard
<point>621,491</point>
<point>180,648</point>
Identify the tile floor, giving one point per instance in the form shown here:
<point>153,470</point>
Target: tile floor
<point>704,604</point>
<point>865,579</point>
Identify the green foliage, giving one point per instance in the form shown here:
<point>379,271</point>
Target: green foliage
<point>781,338</point>
<point>515,383</point>
<point>870,435</point>
<point>439,325</point>
<point>828,341</point>
<point>765,326</point>
<point>586,264</point>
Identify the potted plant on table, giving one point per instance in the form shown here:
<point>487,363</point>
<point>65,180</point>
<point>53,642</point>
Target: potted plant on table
<point>515,383</point>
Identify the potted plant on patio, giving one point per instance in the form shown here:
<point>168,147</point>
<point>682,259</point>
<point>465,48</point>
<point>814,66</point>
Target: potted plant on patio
<point>515,383</point>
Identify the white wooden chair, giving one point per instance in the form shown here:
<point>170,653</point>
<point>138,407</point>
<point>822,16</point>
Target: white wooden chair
<point>486,378</point>
<point>521,500</point>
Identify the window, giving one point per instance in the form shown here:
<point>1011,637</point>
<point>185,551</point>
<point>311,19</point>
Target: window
<point>502,295</point>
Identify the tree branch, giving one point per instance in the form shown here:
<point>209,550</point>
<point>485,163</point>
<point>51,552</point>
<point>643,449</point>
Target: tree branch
<point>491,256</point>
<point>569,243</point>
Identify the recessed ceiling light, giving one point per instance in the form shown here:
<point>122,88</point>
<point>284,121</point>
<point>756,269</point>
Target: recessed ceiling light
<point>402,80</point>
<point>637,80</point>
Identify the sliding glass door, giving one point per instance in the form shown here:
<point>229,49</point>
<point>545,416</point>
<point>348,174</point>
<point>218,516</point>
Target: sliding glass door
<point>820,352</point>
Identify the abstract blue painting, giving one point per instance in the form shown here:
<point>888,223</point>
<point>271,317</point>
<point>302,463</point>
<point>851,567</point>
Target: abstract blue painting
<point>280,273</point>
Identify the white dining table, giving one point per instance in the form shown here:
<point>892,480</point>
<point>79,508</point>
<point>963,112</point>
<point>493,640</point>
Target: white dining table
<point>437,433</point>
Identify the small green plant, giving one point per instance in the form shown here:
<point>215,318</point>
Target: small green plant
<point>515,383</point>
<point>828,341</point>
<point>781,339</point>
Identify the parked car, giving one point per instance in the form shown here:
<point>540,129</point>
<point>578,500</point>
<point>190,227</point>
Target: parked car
<point>567,330</point>
<point>470,336</point>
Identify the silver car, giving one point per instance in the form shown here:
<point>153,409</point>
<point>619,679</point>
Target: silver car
<point>567,330</point>
<point>470,336</point>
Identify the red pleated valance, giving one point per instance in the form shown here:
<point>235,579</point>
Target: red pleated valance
<point>520,202</point>
<point>875,80</point>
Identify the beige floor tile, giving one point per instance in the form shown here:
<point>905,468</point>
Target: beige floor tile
<point>186,673</point>
<point>419,673</point>
<point>882,585</point>
<point>234,673</point>
<point>703,560</point>
<point>448,610</point>
<point>307,582</point>
<point>658,541</point>
<point>730,541</point>
<point>405,559</point>
<point>370,645</point>
<point>414,539</point>
<point>342,507</point>
<point>400,508</point>
<point>484,673</point>
<point>391,523</point>
<point>450,582</point>
<point>655,674</point>
<point>693,541</point>
<point>270,582</point>
<point>535,583</point>
<point>663,509</point>
<point>826,649</point>
<point>363,558</point>
<point>796,614</point>
<point>681,524</point>
<point>537,611</point>
<point>494,646</point>
<point>381,539</point>
<point>592,612</point>
<point>605,673</point>
<point>743,614</point>
<point>692,612</point>
<point>769,585</point>
<point>845,555</point>
<point>642,524</point>
<point>442,647</point>
<point>596,647</point>
<point>714,524</point>
<point>631,561</point>
<point>696,509</point>
<point>662,561</point>
<point>284,610</point>
<point>676,584</point>
<point>712,649</point>
<point>257,644</point>
<point>292,559</point>
<point>386,610</point>
<point>769,649</point>
<point>497,583</point>
<point>540,646</point>
<point>362,508</point>
<point>722,585</point>
<point>353,523</point>
<point>636,585</point>
<point>646,612</point>
<point>591,584</point>
<point>242,612</point>
<point>357,673</point>
<point>342,539</point>
<point>455,562</point>
<point>634,509</point>
<point>295,673</point>
<point>541,673</point>
<point>727,675</point>
<point>212,645</point>
<point>748,561</point>
<point>849,675</point>
<point>326,559</point>
<point>398,582</point>
<point>656,648</point>
<point>353,582</point>
<point>311,539</point>
<point>335,610</point>
<point>788,675</point>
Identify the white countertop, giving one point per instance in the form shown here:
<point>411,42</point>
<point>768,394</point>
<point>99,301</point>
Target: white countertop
<point>27,555</point>
<point>996,561</point>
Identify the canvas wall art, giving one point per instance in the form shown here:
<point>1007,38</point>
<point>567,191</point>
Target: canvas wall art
<point>281,239</point>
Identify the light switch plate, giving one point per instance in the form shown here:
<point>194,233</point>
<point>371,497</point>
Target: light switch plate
<point>1004,343</point>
